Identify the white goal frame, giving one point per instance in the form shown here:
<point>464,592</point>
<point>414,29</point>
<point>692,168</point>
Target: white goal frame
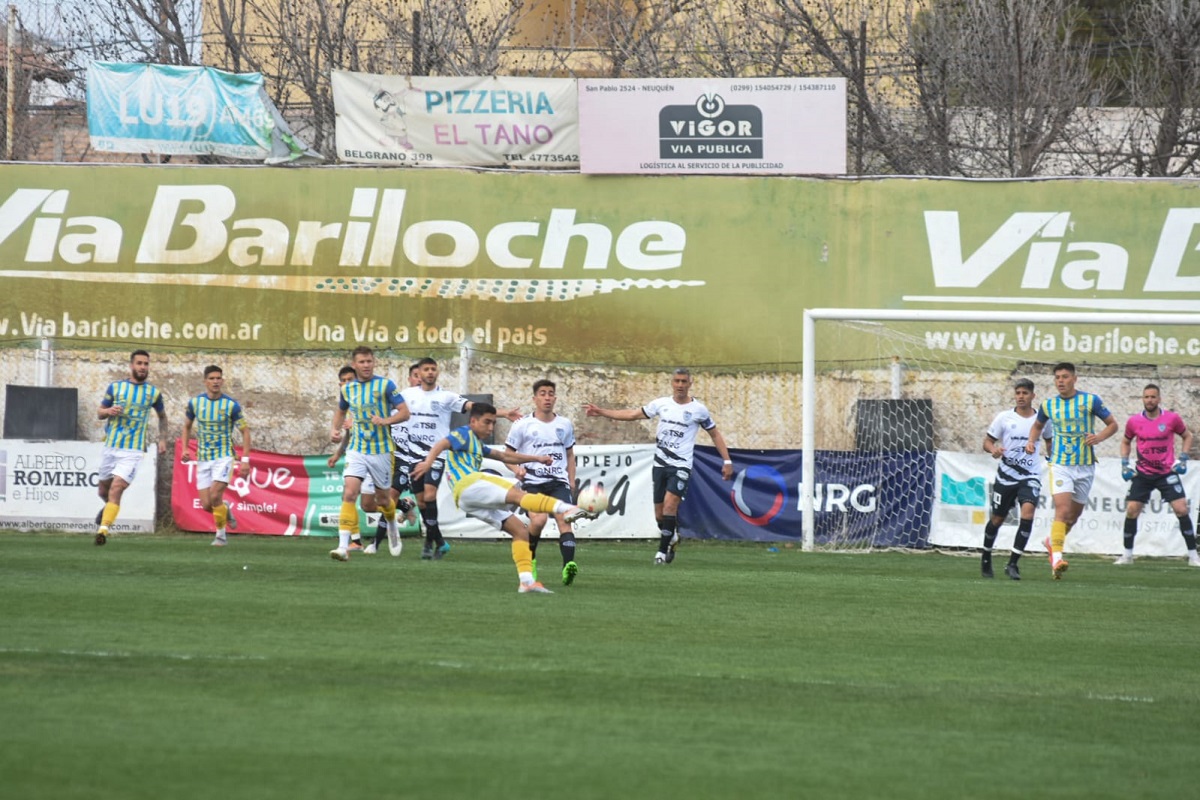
<point>809,366</point>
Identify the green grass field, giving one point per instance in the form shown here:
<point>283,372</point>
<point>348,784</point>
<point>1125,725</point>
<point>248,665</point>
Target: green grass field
<point>159,667</point>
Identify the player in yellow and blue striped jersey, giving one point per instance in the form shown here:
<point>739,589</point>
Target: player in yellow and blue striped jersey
<point>216,416</point>
<point>1072,454</point>
<point>126,408</point>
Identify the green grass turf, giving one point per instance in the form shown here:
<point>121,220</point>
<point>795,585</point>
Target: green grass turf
<point>157,667</point>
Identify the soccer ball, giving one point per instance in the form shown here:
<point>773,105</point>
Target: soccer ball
<point>593,499</point>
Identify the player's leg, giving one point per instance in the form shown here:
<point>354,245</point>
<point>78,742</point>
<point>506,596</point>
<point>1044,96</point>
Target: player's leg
<point>522,555</point>
<point>1003,499</point>
<point>1133,510</point>
<point>1021,539</point>
<point>668,529</point>
<point>387,508</point>
<point>566,533</point>
<point>367,502</point>
<point>353,474</point>
<point>1179,505</point>
<point>429,513</point>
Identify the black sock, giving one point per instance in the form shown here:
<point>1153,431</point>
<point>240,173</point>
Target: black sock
<point>1189,534</point>
<point>1131,527</point>
<point>1024,528</point>
<point>433,534</point>
<point>533,543</point>
<point>566,546</point>
<point>989,536</point>
<point>380,532</point>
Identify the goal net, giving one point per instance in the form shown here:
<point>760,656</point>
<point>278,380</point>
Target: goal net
<point>890,397</point>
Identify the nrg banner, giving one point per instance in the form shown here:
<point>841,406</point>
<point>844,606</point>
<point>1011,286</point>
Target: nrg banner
<point>884,498</point>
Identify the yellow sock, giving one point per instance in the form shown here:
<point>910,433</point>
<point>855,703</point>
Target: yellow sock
<point>220,516</point>
<point>110,514</point>
<point>522,556</point>
<point>1058,535</point>
<point>389,510</point>
<point>539,503</point>
<point>348,518</point>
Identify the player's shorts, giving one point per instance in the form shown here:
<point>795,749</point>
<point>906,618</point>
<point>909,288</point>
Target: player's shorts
<point>401,479</point>
<point>669,479</point>
<point>119,462</point>
<point>1142,486</point>
<point>1005,496</point>
<point>373,469</point>
<point>1075,480</point>
<point>216,470</point>
<point>559,490</point>
<point>431,478</point>
<point>483,497</point>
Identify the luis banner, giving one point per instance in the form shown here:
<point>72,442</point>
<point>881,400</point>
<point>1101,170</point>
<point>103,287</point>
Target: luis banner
<point>426,121</point>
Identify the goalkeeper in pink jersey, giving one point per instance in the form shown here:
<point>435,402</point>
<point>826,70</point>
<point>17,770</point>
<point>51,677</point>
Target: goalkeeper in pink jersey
<point>1155,429</point>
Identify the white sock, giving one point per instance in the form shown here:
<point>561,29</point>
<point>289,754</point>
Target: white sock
<point>525,577</point>
<point>220,533</point>
<point>343,540</point>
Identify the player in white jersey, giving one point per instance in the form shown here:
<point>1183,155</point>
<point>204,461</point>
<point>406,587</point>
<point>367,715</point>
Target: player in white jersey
<point>679,418</point>
<point>545,432</point>
<point>430,408</point>
<point>1018,475</point>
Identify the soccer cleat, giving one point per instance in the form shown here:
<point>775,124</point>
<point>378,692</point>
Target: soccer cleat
<point>395,546</point>
<point>101,537</point>
<point>440,551</point>
<point>533,569</point>
<point>1012,571</point>
<point>370,549</point>
<point>575,513</point>
<point>570,570</point>
<point>533,588</point>
<point>355,546</point>
<point>1193,559</point>
<point>985,567</point>
<point>230,520</point>
<point>671,547</point>
<point>661,558</point>
<point>338,554</point>
<point>1059,569</point>
<point>1124,559</point>
<point>219,542</point>
<point>427,552</point>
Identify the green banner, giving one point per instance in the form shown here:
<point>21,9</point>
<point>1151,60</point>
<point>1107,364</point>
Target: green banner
<point>620,270</point>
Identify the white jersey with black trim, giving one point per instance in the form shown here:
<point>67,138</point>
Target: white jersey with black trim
<point>429,417</point>
<point>536,437</point>
<point>1011,431</point>
<point>677,427</point>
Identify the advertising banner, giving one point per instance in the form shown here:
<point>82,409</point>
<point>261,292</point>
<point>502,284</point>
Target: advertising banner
<point>572,268</point>
<point>718,126</point>
<point>880,498</point>
<point>962,502</point>
<point>423,121</point>
<point>174,110</point>
<point>302,496</point>
<point>52,486</point>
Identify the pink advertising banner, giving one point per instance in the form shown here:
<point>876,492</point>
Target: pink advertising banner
<point>714,126</point>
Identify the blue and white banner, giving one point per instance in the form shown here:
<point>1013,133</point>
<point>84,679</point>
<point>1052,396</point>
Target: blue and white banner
<point>172,110</point>
<point>881,499</point>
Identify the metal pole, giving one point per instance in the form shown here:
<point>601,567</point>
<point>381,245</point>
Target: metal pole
<point>10,101</point>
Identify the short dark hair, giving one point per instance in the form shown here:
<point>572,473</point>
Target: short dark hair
<point>478,409</point>
<point>1024,383</point>
<point>346,369</point>
<point>1153,386</point>
<point>211,368</point>
<point>543,383</point>
<point>424,361</point>
<point>361,350</point>
<point>413,368</point>
<point>137,353</point>
<point>1067,365</point>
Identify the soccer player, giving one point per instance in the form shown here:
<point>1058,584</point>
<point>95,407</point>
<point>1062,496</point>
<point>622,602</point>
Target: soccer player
<point>126,409</point>
<point>431,408</point>
<point>369,453</point>
<point>401,464</point>
<point>1155,429</point>
<point>366,497</point>
<point>216,415</point>
<point>680,416</point>
<point>1018,475</point>
<point>1072,454</point>
<point>547,433</point>
<point>492,498</point>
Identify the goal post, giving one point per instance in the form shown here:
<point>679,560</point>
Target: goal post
<point>862,362</point>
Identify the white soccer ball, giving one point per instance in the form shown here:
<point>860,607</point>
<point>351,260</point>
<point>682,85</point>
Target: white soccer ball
<point>593,499</point>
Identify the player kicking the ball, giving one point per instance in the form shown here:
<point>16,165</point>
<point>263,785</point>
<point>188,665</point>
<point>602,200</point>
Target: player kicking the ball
<point>492,498</point>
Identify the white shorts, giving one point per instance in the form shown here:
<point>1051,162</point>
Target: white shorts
<point>217,470</point>
<point>119,462</point>
<point>1075,480</point>
<point>373,470</point>
<point>483,497</point>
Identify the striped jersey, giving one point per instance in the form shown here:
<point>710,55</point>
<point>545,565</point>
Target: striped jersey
<point>554,438</point>
<point>429,417</point>
<point>365,399</point>
<point>677,427</point>
<point>216,420</point>
<point>1011,431</point>
<point>464,456</point>
<point>128,431</point>
<point>1155,440</point>
<point>1074,420</point>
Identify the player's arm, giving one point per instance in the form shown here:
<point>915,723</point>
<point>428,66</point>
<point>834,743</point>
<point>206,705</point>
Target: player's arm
<point>989,446</point>
<point>338,453</point>
<point>726,462</point>
<point>187,432</point>
<point>622,414</point>
<point>511,414</point>
<point>1035,433</point>
<point>421,467</point>
<point>571,468</point>
<point>107,407</point>
<point>339,421</point>
<point>400,414</point>
<point>518,471</point>
<point>1110,428</point>
<point>244,463</point>
<point>513,457</point>
<point>163,429</point>
<point>1185,448</point>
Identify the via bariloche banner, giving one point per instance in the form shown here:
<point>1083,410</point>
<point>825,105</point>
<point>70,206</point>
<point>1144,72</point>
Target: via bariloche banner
<point>422,121</point>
